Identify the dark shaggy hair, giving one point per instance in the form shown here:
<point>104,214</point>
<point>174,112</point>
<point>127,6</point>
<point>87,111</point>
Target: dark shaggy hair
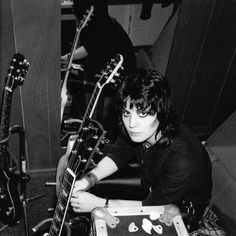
<point>149,91</point>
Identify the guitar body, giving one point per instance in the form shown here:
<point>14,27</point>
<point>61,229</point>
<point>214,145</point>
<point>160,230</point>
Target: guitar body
<point>10,204</point>
<point>10,211</point>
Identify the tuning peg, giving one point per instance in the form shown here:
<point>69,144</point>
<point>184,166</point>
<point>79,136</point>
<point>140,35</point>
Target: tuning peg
<point>84,160</point>
<point>93,164</point>
<point>90,149</point>
<point>75,152</point>
<point>80,140</point>
<point>105,141</point>
<point>98,151</point>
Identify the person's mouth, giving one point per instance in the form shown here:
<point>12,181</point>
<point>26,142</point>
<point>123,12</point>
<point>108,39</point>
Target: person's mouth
<point>134,133</point>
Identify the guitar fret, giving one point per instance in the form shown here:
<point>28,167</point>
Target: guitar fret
<point>57,224</point>
<point>66,186</point>
<point>63,200</point>
<point>53,230</point>
<point>61,206</point>
<point>68,180</point>
<point>65,193</point>
<point>58,219</point>
<point>60,209</point>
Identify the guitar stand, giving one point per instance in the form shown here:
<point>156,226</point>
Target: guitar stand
<point>24,178</point>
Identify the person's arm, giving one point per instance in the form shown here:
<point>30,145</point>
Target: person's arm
<point>105,168</point>
<point>79,53</point>
<point>82,201</point>
<point>86,202</point>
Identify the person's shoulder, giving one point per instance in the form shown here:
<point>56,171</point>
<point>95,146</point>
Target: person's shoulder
<point>185,136</point>
<point>184,143</point>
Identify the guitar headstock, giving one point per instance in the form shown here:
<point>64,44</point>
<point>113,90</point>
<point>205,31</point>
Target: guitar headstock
<point>17,71</point>
<point>86,17</point>
<point>111,70</point>
<point>86,145</point>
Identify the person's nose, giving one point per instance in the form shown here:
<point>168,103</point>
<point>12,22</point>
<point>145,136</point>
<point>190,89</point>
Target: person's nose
<point>133,122</point>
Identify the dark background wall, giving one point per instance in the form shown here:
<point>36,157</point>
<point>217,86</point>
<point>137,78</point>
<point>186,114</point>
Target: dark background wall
<point>202,63</point>
<point>32,28</point>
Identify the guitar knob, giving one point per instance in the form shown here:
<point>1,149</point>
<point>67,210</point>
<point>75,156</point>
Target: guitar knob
<point>105,141</point>
<point>99,152</point>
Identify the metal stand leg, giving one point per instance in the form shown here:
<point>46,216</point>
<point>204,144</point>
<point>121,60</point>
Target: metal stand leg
<point>24,178</point>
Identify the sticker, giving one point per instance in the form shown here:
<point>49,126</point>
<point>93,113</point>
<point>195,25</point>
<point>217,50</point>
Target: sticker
<point>147,225</point>
<point>133,227</point>
<point>154,215</point>
<point>158,229</point>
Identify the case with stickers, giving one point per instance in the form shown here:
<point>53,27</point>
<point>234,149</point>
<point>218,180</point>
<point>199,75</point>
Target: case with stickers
<point>137,221</point>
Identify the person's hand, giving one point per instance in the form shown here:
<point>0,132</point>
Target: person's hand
<point>80,185</point>
<point>85,202</point>
<point>64,60</point>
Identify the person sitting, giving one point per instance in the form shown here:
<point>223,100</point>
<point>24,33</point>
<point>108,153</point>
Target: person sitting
<point>174,164</point>
<point>99,42</point>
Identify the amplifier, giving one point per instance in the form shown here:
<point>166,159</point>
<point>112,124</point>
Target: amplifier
<point>137,221</point>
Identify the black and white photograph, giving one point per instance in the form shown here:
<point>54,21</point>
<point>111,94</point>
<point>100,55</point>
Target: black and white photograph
<point>118,117</point>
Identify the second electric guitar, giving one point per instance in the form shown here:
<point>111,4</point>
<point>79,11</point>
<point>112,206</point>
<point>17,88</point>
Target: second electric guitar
<point>10,206</point>
<point>82,24</point>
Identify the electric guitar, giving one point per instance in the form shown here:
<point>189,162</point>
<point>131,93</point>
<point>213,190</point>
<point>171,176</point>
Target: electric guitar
<point>10,206</point>
<point>82,24</point>
<point>85,145</point>
<point>107,77</point>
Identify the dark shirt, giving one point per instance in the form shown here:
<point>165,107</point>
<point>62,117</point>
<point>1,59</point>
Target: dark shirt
<point>102,41</point>
<point>180,171</point>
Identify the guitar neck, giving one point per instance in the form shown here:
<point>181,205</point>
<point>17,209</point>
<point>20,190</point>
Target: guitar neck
<point>5,114</point>
<point>93,102</point>
<point>62,203</point>
<point>81,25</point>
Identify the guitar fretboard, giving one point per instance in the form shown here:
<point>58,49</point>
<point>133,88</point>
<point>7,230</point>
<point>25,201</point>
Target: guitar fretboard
<point>5,114</point>
<point>62,203</point>
<point>92,102</point>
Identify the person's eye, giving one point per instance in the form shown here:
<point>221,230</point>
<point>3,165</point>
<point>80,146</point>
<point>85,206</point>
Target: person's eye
<point>126,113</point>
<point>143,114</point>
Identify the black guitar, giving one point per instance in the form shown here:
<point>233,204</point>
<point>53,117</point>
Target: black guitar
<point>10,205</point>
<point>82,24</point>
<point>80,155</point>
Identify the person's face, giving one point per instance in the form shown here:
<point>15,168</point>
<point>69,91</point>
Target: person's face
<point>140,126</point>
